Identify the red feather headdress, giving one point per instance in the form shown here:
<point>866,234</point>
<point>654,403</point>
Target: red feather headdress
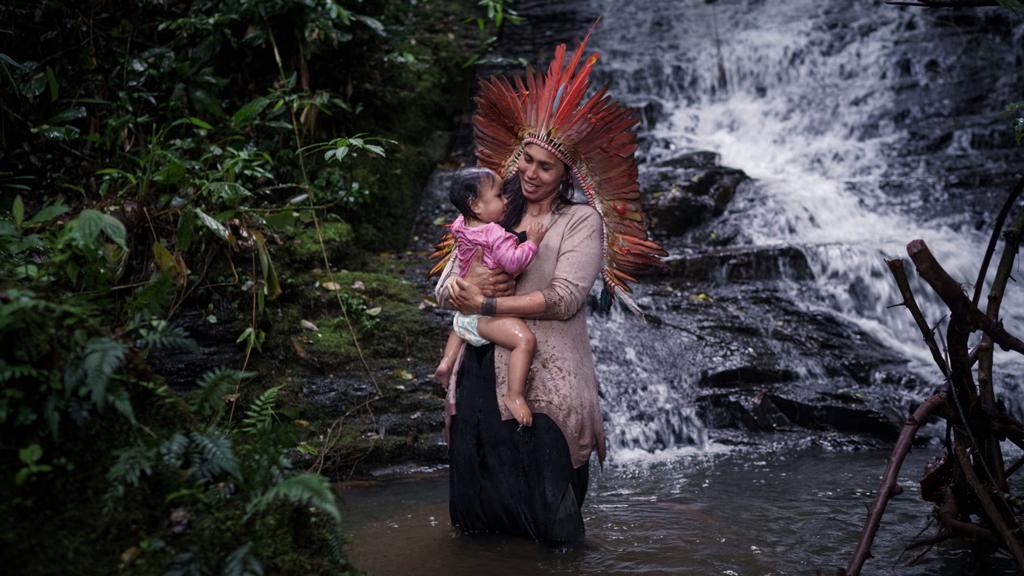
<point>594,137</point>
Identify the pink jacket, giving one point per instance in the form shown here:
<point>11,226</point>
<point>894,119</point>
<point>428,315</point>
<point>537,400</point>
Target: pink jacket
<point>500,247</point>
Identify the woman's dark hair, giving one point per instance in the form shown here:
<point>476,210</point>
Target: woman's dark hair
<point>466,186</point>
<point>515,205</point>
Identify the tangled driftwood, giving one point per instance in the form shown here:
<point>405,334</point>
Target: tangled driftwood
<point>969,480</point>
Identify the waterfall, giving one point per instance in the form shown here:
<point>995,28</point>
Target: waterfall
<point>814,108</point>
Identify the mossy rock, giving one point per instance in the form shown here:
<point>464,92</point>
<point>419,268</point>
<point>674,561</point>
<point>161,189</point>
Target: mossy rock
<point>303,246</point>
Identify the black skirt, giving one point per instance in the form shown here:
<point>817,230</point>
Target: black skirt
<point>504,478</point>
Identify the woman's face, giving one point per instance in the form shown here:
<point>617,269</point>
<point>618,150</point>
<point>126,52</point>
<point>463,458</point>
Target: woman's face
<point>540,172</point>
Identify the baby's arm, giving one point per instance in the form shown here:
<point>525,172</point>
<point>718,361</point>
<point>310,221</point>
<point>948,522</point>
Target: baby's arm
<point>511,256</point>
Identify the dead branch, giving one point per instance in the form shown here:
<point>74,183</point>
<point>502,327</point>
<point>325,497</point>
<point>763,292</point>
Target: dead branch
<point>953,295</point>
<point>896,267</point>
<point>1002,526</point>
<point>888,484</point>
<point>997,229</point>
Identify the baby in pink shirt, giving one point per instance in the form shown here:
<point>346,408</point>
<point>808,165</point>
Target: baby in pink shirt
<point>476,192</point>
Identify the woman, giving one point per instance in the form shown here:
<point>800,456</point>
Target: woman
<point>533,480</point>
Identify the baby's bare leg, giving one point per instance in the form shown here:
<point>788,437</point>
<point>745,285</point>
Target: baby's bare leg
<point>451,352</point>
<point>512,333</point>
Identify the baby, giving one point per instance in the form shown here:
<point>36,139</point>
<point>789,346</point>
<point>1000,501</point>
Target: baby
<point>476,192</point>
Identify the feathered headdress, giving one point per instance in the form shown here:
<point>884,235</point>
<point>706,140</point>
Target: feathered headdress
<point>594,138</point>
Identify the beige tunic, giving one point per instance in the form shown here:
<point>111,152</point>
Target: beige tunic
<point>562,382</point>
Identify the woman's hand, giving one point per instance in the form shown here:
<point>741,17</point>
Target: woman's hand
<point>465,297</point>
<point>492,283</point>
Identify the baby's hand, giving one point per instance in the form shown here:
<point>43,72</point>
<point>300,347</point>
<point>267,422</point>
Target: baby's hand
<point>535,233</point>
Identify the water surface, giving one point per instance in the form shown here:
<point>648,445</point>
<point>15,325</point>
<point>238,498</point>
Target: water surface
<point>720,511</point>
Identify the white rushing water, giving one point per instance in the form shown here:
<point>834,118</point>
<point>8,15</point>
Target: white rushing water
<point>809,88</point>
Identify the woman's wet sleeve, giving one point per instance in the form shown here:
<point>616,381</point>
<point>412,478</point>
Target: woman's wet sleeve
<point>448,275</point>
<point>579,262</point>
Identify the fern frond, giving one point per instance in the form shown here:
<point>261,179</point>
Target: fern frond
<point>261,412</point>
<point>163,335</point>
<point>122,403</point>
<point>10,372</point>
<point>213,455</point>
<point>100,358</point>
<point>172,450</point>
<point>242,562</point>
<point>309,489</point>
<point>213,386</point>
<point>131,465</point>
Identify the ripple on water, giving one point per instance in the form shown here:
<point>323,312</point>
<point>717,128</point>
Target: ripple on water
<point>751,513</point>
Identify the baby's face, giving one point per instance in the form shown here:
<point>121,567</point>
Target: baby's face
<point>489,203</point>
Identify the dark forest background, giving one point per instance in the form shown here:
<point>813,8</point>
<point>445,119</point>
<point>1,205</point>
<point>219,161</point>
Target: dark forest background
<point>177,175</point>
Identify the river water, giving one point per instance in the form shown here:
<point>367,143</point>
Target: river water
<point>715,511</point>
<point>863,126</point>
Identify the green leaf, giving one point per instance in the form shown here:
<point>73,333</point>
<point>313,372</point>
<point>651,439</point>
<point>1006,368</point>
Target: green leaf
<point>114,230</point>
<point>30,454</point>
<point>213,387</point>
<point>18,211</point>
<point>309,489</point>
<point>165,260</point>
<point>186,224</point>
<point>51,78</point>
<point>91,374</point>
<point>212,224</point>
<point>247,113</point>
<point>242,562</point>
<point>200,123</point>
<point>34,86</point>
<point>59,133</point>
<point>373,24</point>
<point>91,222</point>
<point>215,455</point>
<point>69,115</point>
<point>281,220</point>
<point>46,214</point>
<point>87,226</point>
<point>260,414</point>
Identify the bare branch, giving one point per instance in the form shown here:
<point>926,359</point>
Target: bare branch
<point>896,267</point>
<point>1005,530</point>
<point>892,470</point>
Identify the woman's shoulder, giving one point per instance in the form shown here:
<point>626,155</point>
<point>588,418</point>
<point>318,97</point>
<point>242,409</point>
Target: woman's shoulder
<point>582,215</point>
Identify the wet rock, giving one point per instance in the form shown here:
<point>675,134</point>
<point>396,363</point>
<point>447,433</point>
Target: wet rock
<point>687,190</point>
<point>742,265</point>
<point>745,376</point>
<point>749,358</point>
<point>218,347</point>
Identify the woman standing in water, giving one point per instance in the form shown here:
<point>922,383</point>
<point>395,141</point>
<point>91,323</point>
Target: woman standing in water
<point>539,137</point>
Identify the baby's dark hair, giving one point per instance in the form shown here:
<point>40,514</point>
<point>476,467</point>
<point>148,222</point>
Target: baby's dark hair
<point>466,185</point>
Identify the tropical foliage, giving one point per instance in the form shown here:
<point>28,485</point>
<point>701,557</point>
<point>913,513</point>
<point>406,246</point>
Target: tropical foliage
<point>159,158</point>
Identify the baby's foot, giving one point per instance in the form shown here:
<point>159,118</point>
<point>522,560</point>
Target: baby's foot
<point>443,373</point>
<point>520,410</point>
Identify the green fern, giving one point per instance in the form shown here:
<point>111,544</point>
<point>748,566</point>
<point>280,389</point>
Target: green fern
<point>213,455</point>
<point>213,386</point>
<point>163,335</point>
<point>100,358</point>
<point>310,489</point>
<point>131,465</point>
<point>261,413</point>
<point>173,450</point>
<point>242,562</point>
<point>10,372</point>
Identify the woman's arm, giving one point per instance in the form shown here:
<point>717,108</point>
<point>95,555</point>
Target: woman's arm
<point>490,282</point>
<point>577,266</point>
